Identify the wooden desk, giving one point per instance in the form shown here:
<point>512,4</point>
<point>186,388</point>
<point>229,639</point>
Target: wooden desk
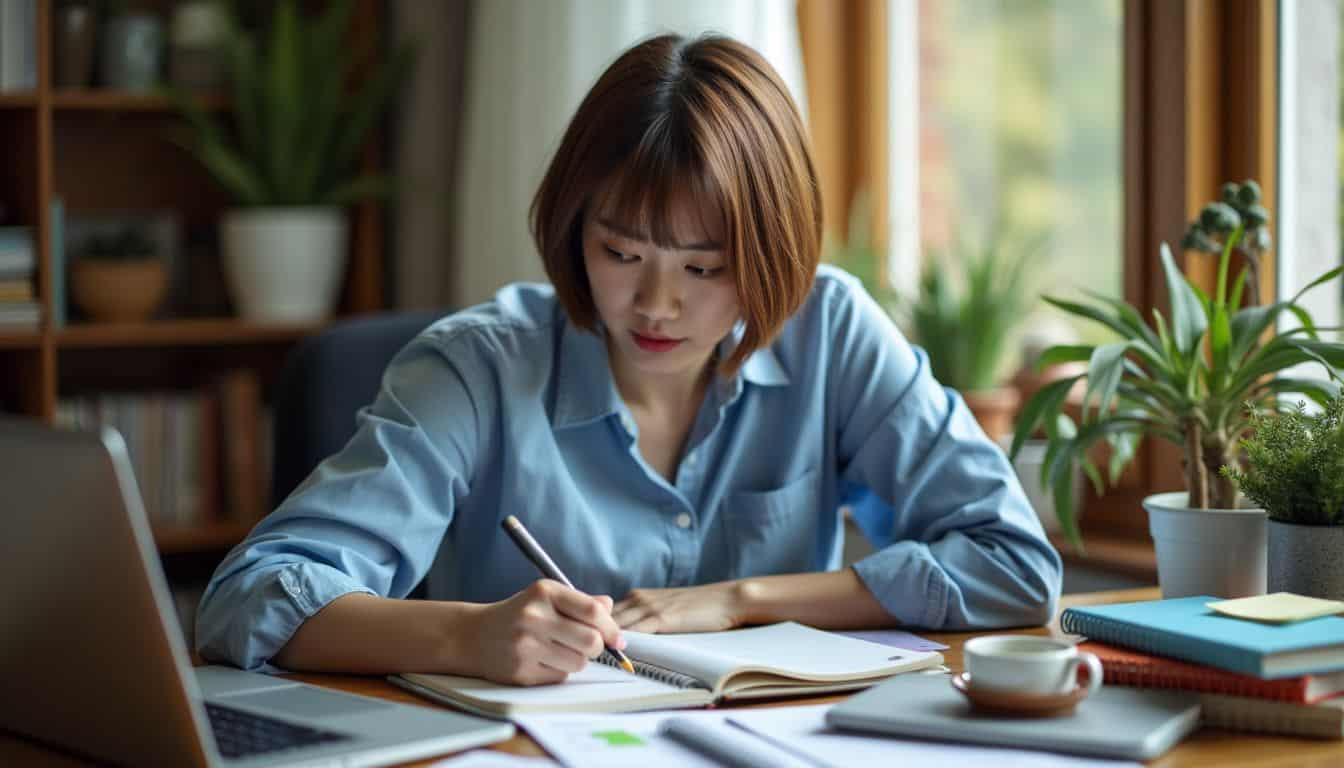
<point>1206,748</point>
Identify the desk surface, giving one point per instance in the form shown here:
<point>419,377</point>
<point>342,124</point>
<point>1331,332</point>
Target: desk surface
<point>1205,748</point>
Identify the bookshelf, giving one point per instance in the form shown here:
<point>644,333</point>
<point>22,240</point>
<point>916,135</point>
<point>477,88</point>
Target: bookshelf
<point>104,152</point>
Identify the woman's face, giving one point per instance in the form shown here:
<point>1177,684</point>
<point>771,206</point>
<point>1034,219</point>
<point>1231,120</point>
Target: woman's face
<point>665,308</point>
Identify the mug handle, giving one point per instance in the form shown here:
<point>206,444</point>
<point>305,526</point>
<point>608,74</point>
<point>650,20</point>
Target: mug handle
<point>1094,671</point>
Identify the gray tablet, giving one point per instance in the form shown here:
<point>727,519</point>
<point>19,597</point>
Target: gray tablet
<point>1133,723</point>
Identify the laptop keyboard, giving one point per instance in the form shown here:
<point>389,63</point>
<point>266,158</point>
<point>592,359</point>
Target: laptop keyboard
<point>241,734</point>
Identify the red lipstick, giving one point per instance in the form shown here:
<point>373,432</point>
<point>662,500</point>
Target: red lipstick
<point>654,343</point>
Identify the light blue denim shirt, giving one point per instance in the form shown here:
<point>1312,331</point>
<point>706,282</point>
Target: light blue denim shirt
<point>508,408</point>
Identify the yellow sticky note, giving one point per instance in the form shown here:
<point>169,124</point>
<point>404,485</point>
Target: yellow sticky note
<point>1277,608</point>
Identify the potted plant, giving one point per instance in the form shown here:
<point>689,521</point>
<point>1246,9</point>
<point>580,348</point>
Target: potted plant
<point>118,278</point>
<point>1295,471</point>
<point>970,306</point>
<point>1185,378</point>
<point>301,114</point>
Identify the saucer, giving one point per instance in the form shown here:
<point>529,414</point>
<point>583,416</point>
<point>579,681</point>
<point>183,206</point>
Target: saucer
<point>1020,704</point>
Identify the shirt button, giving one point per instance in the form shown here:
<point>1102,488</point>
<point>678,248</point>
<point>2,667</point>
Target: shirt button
<point>683,520</point>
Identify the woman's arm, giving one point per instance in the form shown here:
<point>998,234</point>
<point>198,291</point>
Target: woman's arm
<point>537,636</point>
<point>959,544</point>
<point>834,600</point>
<point>364,634</point>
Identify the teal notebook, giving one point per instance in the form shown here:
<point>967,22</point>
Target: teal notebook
<point>1184,628</point>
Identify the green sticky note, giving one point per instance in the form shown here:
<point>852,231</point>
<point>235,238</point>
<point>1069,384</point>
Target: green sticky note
<point>618,738</point>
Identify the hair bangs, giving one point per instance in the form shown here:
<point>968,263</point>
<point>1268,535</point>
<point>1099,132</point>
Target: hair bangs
<point>659,178</point>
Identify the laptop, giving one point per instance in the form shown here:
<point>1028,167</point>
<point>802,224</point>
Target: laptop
<point>93,658</point>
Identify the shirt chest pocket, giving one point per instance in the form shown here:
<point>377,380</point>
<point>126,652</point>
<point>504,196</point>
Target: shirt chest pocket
<point>770,532</point>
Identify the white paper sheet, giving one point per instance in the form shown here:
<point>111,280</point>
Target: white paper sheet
<point>804,730</point>
<point>621,741</point>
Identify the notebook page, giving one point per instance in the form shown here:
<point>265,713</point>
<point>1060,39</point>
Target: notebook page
<point>788,648</point>
<point>595,684</point>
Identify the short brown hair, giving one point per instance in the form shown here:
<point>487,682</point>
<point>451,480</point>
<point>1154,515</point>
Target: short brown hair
<point>706,115</point>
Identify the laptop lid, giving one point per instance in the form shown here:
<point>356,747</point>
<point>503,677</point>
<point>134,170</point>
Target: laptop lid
<point>92,644</point>
<point>89,650</point>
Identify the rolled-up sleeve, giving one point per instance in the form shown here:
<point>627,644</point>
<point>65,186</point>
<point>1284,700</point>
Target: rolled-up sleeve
<point>369,519</point>
<point>959,544</point>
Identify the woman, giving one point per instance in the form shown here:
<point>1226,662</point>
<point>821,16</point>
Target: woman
<point>677,421</point>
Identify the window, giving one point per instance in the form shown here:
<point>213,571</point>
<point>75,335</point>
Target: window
<point>1311,174</point>
<point>1020,119</point>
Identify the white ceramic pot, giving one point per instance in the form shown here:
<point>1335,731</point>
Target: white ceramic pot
<point>284,265</point>
<point>1215,552</point>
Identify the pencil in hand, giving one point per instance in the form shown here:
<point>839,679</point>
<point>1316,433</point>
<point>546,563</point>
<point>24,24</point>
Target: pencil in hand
<point>550,570</point>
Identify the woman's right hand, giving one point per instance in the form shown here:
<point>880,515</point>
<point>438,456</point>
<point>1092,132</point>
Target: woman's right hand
<point>543,634</point>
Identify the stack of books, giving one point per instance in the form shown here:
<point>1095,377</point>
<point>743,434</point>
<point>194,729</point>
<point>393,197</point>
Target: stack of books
<point>18,265</point>
<point>1284,679</point>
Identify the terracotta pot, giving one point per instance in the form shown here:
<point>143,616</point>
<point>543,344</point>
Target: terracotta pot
<point>1029,381</point>
<point>118,291</point>
<point>995,410</point>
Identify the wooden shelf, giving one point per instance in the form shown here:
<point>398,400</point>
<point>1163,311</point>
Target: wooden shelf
<point>212,537</point>
<point>20,338</point>
<point>185,333</point>
<point>18,99</point>
<point>125,101</point>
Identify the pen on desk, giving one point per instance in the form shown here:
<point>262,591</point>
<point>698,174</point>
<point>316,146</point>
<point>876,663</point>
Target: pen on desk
<point>550,570</point>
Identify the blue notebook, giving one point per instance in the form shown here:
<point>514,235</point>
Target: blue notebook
<point>1184,628</point>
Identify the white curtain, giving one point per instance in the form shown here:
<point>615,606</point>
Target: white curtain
<point>1309,197</point>
<point>529,64</point>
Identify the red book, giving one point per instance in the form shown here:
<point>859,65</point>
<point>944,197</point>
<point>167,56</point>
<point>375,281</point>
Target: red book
<point>1122,666</point>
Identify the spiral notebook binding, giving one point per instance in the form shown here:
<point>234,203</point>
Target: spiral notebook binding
<point>654,672</point>
<point>1099,628</point>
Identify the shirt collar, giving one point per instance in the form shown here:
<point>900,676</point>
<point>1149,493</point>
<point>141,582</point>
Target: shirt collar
<point>761,367</point>
<point>586,390</point>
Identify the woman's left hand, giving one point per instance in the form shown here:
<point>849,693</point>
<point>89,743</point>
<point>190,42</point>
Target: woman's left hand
<point>707,608</point>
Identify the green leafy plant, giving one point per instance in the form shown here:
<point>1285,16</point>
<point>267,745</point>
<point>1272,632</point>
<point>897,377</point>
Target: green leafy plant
<point>1186,378</point>
<point>971,303</point>
<point>129,244</point>
<point>1207,232</point>
<point>1295,464</point>
<point>300,113</point>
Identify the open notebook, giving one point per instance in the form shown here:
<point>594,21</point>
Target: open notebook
<point>690,670</point>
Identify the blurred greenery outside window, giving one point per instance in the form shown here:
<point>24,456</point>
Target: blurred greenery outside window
<point>1020,137</point>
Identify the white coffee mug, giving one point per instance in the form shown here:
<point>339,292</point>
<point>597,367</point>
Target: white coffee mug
<point>1028,664</point>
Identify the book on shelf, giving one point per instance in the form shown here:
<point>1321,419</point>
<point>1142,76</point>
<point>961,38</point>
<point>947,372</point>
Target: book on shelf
<point>690,670</point>
<point>1185,628</point>
<point>1143,670</point>
<point>24,314</point>
<point>18,258</point>
<point>240,423</point>
<point>18,45</point>
<point>58,255</point>
<point>15,291</point>
<point>170,441</point>
<point>1321,720</point>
